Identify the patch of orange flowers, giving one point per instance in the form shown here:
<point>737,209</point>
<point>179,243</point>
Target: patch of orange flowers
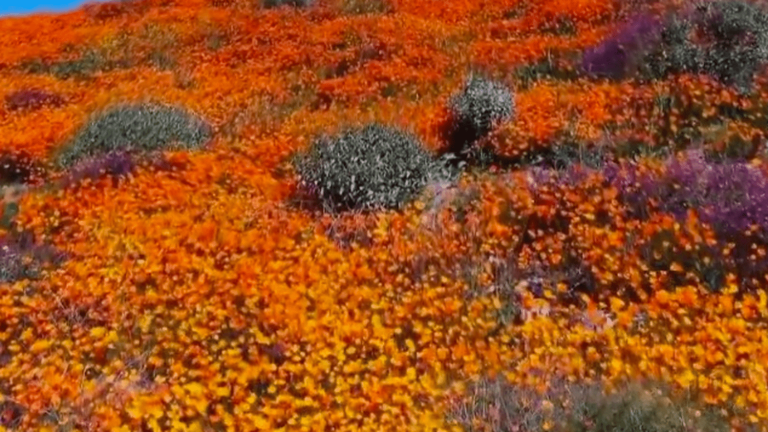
<point>200,299</point>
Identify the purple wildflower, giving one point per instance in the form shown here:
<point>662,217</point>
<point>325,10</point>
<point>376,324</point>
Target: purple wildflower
<point>21,257</point>
<point>115,164</point>
<point>732,197</point>
<point>614,57</point>
<point>32,99</point>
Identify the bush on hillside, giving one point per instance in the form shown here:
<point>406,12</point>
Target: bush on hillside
<point>735,39</point>
<point>365,168</point>
<point>135,128</point>
<point>674,53</point>
<point>474,111</point>
<point>727,40</point>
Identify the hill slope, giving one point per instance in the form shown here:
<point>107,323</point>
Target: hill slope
<point>585,201</point>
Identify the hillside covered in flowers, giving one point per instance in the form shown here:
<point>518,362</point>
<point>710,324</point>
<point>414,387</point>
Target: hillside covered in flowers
<point>385,215</point>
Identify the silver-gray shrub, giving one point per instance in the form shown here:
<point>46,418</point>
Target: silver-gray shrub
<point>135,128</point>
<point>730,43</point>
<point>738,40</point>
<point>365,168</point>
<point>480,105</point>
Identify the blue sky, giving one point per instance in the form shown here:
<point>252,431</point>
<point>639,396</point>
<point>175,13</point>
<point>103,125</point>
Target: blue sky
<point>23,7</point>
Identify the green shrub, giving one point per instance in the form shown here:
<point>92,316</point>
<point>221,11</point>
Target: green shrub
<point>142,127</point>
<point>727,40</point>
<point>675,53</point>
<point>271,4</point>
<point>480,105</point>
<point>365,168</point>
<point>736,40</point>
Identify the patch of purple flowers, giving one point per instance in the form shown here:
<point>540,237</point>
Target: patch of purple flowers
<point>732,196</point>
<point>115,164</point>
<point>32,99</point>
<point>21,257</point>
<point>615,57</point>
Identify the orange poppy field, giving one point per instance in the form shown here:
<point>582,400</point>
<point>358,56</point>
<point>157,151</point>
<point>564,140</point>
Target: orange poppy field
<point>168,263</point>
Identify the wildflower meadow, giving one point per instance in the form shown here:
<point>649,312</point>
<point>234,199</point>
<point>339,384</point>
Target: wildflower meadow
<point>385,215</point>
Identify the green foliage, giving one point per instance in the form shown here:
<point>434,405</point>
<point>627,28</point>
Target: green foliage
<point>365,7</point>
<point>463,202</point>
<point>10,211</point>
<point>516,12</point>
<point>736,40</point>
<point>152,45</point>
<point>22,257</point>
<point>365,168</point>
<point>265,113</point>
<point>554,66</point>
<point>560,26</point>
<point>568,150</point>
<point>161,42</point>
<point>635,409</point>
<point>161,60</point>
<point>89,62</point>
<point>498,406</point>
<point>216,40</point>
<point>663,249</point>
<point>565,155</point>
<point>142,127</point>
<point>726,39</point>
<point>636,148</point>
<point>270,4</point>
<point>674,54</point>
